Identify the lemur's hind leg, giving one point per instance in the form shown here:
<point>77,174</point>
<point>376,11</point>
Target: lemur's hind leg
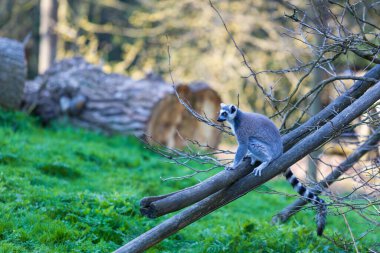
<point>260,151</point>
<point>257,171</point>
<point>252,157</point>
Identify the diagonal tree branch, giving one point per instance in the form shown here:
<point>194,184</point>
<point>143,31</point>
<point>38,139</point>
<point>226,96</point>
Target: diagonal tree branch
<point>249,182</point>
<point>297,205</point>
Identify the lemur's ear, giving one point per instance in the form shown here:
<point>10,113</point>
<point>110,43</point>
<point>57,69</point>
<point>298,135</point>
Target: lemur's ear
<point>233,109</point>
<point>222,105</point>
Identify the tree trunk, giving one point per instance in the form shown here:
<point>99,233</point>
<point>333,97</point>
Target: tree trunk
<point>6,8</point>
<point>319,11</point>
<point>48,37</point>
<point>12,73</point>
<point>113,103</point>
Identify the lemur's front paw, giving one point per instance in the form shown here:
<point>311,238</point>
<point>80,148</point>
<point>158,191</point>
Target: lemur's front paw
<point>257,171</point>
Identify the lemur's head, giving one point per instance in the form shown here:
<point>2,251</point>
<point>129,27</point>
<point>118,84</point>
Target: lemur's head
<point>227,112</point>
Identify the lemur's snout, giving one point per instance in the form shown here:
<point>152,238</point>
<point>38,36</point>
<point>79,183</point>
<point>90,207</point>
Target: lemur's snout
<point>220,119</point>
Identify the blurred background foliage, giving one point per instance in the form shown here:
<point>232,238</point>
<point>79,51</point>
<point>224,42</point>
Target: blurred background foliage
<point>132,38</point>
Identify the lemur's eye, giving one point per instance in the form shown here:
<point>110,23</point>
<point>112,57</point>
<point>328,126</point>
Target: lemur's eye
<point>224,114</point>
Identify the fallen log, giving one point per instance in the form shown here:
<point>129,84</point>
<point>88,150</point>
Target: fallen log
<point>249,182</point>
<point>12,73</point>
<point>114,103</point>
<point>155,206</point>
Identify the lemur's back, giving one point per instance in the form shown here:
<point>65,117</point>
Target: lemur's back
<point>260,128</point>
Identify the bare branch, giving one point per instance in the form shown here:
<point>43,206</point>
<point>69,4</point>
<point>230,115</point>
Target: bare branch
<point>293,208</point>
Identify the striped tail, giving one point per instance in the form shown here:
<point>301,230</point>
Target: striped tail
<point>311,197</point>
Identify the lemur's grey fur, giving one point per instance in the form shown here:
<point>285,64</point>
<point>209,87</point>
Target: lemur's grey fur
<point>259,138</point>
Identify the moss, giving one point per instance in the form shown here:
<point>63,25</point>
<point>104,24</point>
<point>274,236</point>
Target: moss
<point>8,158</point>
<point>59,170</point>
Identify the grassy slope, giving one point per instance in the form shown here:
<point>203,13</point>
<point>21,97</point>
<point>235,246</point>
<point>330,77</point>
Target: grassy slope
<point>68,190</point>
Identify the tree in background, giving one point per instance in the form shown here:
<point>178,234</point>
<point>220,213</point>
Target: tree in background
<point>48,37</point>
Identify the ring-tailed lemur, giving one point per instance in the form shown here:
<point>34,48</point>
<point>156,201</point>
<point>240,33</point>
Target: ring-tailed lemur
<point>259,137</point>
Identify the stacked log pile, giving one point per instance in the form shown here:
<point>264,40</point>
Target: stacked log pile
<point>114,103</point>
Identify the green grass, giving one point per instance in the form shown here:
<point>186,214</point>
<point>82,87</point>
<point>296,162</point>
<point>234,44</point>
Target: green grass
<point>68,190</point>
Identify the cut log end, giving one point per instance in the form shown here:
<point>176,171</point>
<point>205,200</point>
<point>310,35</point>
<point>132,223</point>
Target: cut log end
<point>149,211</point>
<point>204,101</point>
<point>165,119</point>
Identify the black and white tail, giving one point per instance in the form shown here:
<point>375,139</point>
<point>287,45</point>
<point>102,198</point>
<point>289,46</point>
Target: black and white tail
<point>311,197</point>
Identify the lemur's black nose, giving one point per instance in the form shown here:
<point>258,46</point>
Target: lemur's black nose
<point>220,119</point>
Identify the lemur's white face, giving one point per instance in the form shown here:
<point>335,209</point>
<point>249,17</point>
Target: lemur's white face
<point>227,112</point>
